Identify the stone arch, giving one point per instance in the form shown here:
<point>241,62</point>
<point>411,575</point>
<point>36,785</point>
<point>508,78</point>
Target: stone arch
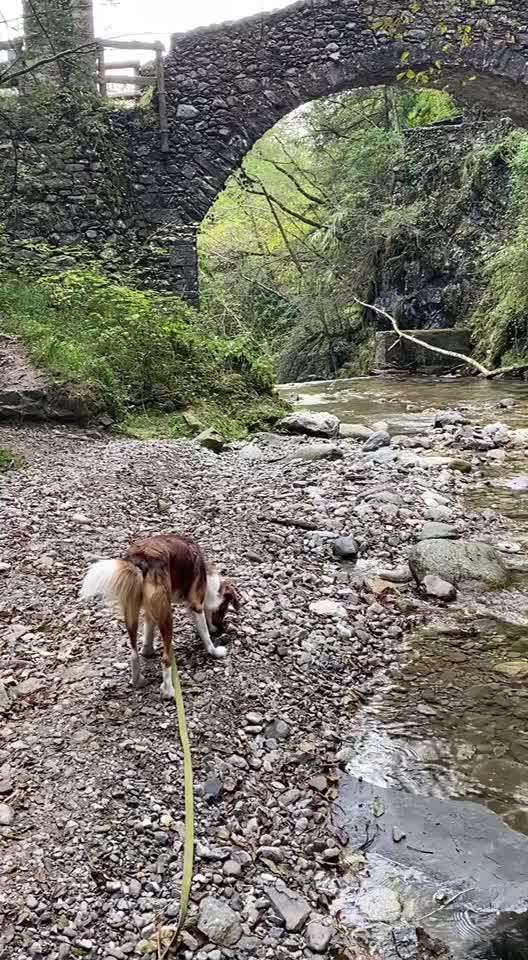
<point>228,84</point>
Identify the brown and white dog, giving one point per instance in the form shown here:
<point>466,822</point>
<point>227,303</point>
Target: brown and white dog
<point>154,573</point>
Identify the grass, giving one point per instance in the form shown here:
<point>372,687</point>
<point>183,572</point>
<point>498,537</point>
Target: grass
<point>234,422</point>
<point>141,355</point>
<point>9,460</point>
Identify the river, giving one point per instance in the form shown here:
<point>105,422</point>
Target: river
<point>447,725</point>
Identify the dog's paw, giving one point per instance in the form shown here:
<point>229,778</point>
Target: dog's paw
<point>139,682</point>
<point>219,653</point>
<point>167,692</point>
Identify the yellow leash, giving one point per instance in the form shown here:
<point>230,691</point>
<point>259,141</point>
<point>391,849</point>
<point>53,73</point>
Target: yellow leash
<point>188,842</point>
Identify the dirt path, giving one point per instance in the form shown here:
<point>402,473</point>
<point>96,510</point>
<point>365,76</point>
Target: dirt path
<point>90,770</point>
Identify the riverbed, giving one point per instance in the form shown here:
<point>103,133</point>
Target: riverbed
<point>446,725</point>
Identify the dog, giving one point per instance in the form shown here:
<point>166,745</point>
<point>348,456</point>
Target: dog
<point>154,573</point>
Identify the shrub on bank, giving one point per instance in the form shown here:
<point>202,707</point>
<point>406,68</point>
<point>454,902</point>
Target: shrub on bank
<point>136,350</point>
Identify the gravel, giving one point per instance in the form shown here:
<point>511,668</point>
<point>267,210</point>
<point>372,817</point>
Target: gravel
<point>92,821</point>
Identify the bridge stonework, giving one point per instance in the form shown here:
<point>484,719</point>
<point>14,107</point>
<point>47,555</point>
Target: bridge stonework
<point>226,85</point>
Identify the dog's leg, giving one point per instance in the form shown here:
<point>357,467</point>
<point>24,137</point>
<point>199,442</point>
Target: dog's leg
<point>200,623</point>
<point>138,680</point>
<point>147,650</point>
<point>167,689</point>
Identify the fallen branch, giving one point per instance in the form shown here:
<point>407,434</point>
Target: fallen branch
<point>289,522</point>
<point>482,370</point>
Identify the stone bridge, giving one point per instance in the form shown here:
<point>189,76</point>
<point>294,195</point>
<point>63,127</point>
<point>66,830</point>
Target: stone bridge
<point>228,84</point>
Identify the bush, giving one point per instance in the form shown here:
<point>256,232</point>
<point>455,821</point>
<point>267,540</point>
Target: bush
<point>134,349</point>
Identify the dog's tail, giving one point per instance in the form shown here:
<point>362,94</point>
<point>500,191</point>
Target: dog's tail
<point>115,580</point>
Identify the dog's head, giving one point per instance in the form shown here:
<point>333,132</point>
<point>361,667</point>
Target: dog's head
<point>229,598</point>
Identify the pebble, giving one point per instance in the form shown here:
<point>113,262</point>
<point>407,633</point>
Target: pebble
<point>7,815</point>
<point>318,935</point>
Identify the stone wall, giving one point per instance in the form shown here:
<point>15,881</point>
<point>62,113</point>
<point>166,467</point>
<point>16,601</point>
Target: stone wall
<point>393,353</point>
<point>454,186</point>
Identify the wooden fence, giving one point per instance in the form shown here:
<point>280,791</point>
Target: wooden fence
<point>106,77</point>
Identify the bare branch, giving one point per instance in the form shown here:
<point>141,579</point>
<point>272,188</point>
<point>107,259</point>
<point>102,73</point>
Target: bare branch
<point>403,335</point>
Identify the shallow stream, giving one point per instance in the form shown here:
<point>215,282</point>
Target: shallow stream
<point>448,725</point>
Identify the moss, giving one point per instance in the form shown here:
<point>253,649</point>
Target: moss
<point>235,420</point>
<point>9,460</point>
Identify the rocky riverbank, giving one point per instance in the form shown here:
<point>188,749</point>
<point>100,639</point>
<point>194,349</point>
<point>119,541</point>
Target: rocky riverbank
<point>317,534</point>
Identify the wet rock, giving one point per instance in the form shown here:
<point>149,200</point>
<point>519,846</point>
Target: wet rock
<point>380,904</point>
<point>314,424</point>
<point>318,451</point>
<point>328,608</point>
<point>218,922</point>
<point>293,909</point>
<point>449,418</point>
<point>318,935</point>
<point>211,440</point>
<point>355,431</point>
<point>7,815</point>
<point>378,439</point>
<point>459,561</point>
<point>512,668</point>
<point>438,588</point>
<point>438,531</point>
<point>345,548</point>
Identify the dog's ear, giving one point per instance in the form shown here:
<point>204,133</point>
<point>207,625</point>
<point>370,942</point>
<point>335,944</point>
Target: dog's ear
<point>232,595</point>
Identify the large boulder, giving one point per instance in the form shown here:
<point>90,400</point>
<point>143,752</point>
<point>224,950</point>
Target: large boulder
<point>313,424</point>
<point>459,562</point>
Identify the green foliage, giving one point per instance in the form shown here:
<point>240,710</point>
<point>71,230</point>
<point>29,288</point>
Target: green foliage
<point>9,460</point>
<point>134,349</point>
<point>501,320</point>
<point>287,247</point>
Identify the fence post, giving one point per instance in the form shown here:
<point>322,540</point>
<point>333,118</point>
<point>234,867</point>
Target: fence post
<point>162,98</point>
<point>101,79</point>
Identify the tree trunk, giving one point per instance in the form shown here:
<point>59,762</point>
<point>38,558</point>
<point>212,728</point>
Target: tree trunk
<point>54,25</point>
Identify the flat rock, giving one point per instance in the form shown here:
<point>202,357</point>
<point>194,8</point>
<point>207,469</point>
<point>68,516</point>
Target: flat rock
<point>377,440</point>
<point>449,418</point>
<point>218,922</point>
<point>380,904</point>
<point>26,687</point>
<point>313,424</point>
<point>355,431</point>
<point>438,588</point>
<point>318,451</point>
<point>328,608</point>
<point>293,909</point>
<point>512,668</point>
<point>438,531</point>
<point>459,561</point>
